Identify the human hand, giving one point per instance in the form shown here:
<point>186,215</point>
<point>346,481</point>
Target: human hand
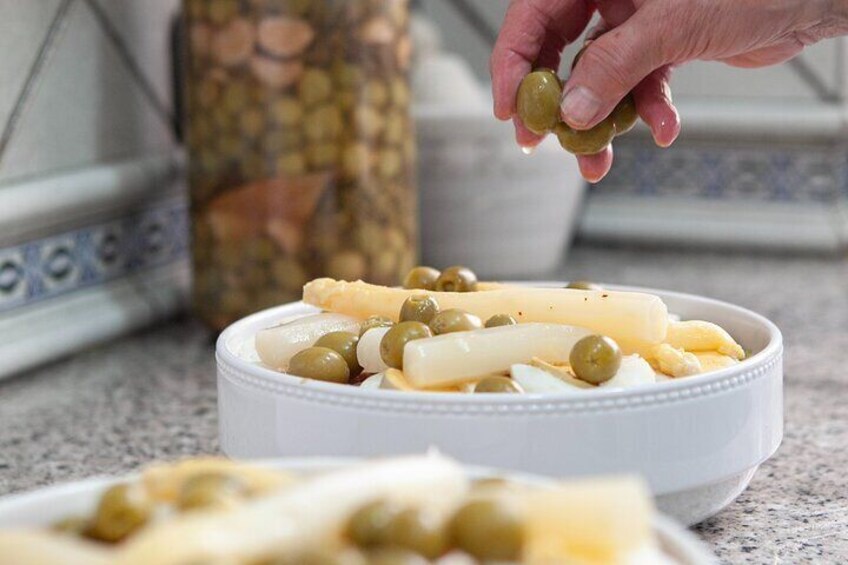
<point>637,44</point>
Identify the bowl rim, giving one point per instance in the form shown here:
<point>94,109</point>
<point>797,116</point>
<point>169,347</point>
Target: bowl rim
<point>233,367</point>
<point>671,534</point>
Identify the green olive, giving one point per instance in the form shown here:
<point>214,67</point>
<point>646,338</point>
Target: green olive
<point>584,285</point>
<point>418,531</point>
<point>595,359</point>
<point>457,279</point>
<point>585,142</point>
<point>489,529</point>
<point>122,510</point>
<point>500,320</point>
<point>454,320</point>
<point>421,277</point>
<point>624,115</point>
<point>538,100</point>
<point>321,364</point>
<point>395,556</point>
<point>343,343</point>
<point>498,384</point>
<point>392,344</point>
<point>370,526</point>
<point>211,490</point>
<point>372,322</point>
<point>419,308</point>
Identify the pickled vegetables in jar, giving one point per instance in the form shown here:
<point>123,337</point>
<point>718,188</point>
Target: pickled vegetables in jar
<point>301,148</point>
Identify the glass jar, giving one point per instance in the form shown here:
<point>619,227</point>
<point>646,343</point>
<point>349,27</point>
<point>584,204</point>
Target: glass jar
<point>301,148</point>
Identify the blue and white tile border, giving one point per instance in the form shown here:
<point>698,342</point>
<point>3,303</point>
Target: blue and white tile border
<point>92,255</point>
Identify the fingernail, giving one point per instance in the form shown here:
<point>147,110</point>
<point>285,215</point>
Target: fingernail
<point>527,149</point>
<point>579,106</point>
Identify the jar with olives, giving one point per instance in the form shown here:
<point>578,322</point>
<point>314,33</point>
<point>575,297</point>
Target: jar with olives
<point>301,148</point>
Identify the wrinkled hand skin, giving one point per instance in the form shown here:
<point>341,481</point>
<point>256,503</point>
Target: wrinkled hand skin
<point>637,44</point>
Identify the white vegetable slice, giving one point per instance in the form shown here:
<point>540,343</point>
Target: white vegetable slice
<point>712,361</point>
<point>675,362</point>
<point>560,372</point>
<point>633,319</point>
<point>395,380</point>
<point>307,515</point>
<point>277,345</point>
<point>372,382</point>
<point>697,335</point>
<point>462,356</point>
<point>634,371</point>
<point>538,381</point>
<point>368,351</point>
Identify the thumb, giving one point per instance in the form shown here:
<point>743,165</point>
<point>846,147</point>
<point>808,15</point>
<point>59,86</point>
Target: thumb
<point>610,67</point>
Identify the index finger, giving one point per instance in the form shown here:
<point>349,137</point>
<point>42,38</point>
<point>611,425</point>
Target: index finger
<point>530,25</point>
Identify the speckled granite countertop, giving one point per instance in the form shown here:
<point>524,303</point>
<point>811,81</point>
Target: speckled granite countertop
<point>152,396</point>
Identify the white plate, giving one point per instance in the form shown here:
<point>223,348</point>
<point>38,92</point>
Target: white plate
<point>42,507</point>
<point>697,441</point>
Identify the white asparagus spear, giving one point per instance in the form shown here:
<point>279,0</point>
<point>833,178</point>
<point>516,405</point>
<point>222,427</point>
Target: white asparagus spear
<point>462,356</point>
<point>633,319</point>
<point>278,344</point>
<point>299,517</point>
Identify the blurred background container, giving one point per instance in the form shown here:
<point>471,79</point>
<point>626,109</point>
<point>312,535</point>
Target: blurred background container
<point>93,207</point>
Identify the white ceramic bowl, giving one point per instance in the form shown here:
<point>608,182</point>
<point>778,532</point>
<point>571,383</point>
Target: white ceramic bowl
<point>484,203</point>
<point>42,507</point>
<point>698,441</point>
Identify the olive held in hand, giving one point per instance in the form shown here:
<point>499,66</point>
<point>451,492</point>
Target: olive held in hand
<point>595,359</point>
<point>457,279</point>
<point>343,343</point>
<point>121,511</point>
<point>420,308</point>
<point>392,344</point>
<point>454,320</point>
<point>585,142</point>
<point>500,320</point>
<point>489,529</point>
<point>498,385</point>
<point>538,100</point>
<point>421,277</point>
<point>584,285</point>
<point>320,364</point>
<point>624,116</point>
<point>372,322</point>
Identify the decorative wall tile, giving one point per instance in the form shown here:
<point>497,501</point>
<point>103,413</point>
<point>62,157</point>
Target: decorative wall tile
<point>765,173</point>
<point>92,255</point>
<point>23,27</point>
<point>86,106</point>
<point>146,35</point>
<point>13,283</point>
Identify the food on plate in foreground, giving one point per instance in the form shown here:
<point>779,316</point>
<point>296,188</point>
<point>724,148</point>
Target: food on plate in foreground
<point>534,340</point>
<point>404,511</point>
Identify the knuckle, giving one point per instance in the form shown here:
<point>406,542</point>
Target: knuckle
<point>607,65</point>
